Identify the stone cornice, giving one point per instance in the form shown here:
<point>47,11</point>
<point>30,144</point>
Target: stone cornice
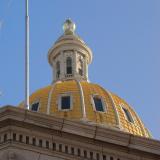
<point>69,45</point>
<point>82,129</point>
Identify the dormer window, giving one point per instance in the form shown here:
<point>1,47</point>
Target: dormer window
<point>65,102</point>
<point>58,69</point>
<point>128,115</point>
<point>35,106</point>
<point>98,103</point>
<point>69,65</point>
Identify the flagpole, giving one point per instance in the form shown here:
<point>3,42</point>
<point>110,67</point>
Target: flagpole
<point>26,55</point>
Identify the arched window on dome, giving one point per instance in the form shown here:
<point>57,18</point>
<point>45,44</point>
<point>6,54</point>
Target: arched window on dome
<point>35,106</point>
<point>98,103</point>
<point>69,65</point>
<point>127,114</point>
<point>80,69</point>
<point>58,69</point>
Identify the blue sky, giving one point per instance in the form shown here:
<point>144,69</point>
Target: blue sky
<point>123,35</point>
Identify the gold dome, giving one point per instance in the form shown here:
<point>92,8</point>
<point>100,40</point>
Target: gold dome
<point>82,108</point>
<point>72,96</point>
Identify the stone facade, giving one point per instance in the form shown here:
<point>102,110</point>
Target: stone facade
<point>78,63</point>
<point>27,135</point>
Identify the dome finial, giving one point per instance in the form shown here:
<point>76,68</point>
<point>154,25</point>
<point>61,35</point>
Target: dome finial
<point>69,26</point>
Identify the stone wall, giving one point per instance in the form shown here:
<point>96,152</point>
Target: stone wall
<point>29,135</point>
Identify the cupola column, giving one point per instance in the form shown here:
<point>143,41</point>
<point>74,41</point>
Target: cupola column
<point>75,63</point>
<point>85,68</point>
<point>62,64</point>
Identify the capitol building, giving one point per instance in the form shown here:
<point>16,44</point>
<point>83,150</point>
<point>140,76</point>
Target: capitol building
<point>72,118</point>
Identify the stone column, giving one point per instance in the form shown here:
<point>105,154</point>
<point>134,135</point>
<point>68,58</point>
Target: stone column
<point>75,63</point>
<point>53,71</point>
<point>62,62</point>
<point>85,68</point>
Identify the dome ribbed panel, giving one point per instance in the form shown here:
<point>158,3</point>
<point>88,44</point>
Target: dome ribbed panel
<point>112,102</point>
<point>135,128</point>
<point>41,96</point>
<point>108,117</point>
<point>71,88</point>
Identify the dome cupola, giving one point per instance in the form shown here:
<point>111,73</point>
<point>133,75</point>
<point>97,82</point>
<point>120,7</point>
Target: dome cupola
<point>70,56</point>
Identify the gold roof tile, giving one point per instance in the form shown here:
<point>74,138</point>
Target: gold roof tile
<point>109,118</point>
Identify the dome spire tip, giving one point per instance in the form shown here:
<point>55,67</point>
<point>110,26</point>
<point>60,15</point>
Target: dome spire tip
<point>69,26</point>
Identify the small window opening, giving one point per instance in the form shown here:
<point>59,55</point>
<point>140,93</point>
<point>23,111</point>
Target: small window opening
<point>47,144</point>
<point>79,152</point>
<point>54,146</point>
<point>58,69</point>
<point>69,65</point>
<point>27,140</point>
<point>34,106</point>
<point>60,147</point>
<point>104,157</point>
<point>72,150</point>
<point>91,155</point>
<point>14,136</point>
<point>65,102</point>
<point>97,156</point>
<point>128,115</point>
<point>66,149</point>
<point>20,138</point>
<point>111,158</point>
<point>85,154</point>
<point>40,143</point>
<point>5,137</point>
<point>98,104</point>
<point>34,141</point>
